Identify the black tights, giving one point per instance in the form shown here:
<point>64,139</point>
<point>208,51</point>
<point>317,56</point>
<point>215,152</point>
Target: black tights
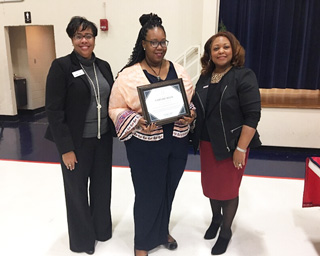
<point>227,210</point>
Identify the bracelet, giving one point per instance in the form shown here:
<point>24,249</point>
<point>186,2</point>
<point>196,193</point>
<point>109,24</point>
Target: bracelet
<point>241,150</point>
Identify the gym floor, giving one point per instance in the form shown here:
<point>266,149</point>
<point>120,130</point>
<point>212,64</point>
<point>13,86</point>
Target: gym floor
<point>270,218</point>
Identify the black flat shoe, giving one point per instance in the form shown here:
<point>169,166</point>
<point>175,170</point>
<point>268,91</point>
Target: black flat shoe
<point>90,252</point>
<point>171,245</point>
<point>220,246</point>
<point>213,229</point>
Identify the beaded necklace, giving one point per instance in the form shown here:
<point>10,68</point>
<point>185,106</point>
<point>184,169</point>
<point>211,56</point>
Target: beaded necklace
<point>216,77</point>
<point>96,95</point>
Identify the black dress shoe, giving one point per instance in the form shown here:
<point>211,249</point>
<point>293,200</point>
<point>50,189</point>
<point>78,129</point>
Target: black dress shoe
<point>213,229</point>
<point>221,245</point>
<point>90,252</point>
<point>171,245</point>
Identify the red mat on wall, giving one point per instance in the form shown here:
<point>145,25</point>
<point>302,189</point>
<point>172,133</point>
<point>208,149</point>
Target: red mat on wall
<point>311,193</point>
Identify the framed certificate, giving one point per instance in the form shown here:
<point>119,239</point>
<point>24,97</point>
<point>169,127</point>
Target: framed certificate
<point>163,102</point>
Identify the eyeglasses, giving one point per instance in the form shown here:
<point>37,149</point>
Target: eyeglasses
<point>155,44</point>
<point>78,37</point>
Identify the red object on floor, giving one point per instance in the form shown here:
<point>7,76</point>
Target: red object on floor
<point>311,194</point>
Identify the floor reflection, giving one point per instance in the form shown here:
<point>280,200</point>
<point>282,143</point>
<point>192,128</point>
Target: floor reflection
<point>24,140</point>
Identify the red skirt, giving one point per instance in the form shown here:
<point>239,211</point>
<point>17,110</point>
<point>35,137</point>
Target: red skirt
<point>220,179</point>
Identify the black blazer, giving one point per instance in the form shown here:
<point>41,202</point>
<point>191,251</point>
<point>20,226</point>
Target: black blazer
<point>67,101</point>
<point>239,104</point>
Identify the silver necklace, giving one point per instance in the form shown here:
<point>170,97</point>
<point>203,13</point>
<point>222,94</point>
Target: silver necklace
<point>96,95</point>
<point>157,75</point>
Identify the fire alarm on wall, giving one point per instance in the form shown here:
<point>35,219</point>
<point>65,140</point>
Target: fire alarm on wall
<point>104,24</point>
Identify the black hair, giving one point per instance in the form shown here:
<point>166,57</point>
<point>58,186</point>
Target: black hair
<point>238,53</point>
<point>147,21</point>
<point>76,22</point>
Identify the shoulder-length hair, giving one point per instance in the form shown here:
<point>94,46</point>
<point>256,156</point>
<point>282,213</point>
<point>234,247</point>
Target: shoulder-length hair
<point>238,53</point>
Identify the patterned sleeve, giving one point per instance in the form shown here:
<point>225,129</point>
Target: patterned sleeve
<point>124,119</point>
<point>126,124</point>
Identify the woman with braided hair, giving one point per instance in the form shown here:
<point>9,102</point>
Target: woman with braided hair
<point>157,154</point>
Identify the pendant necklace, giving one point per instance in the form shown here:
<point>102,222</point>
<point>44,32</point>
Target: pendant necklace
<point>157,75</point>
<point>96,95</point>
<point>216,77</point>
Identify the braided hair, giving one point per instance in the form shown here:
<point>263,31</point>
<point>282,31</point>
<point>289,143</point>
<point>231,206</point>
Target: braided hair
<point>147,21</point>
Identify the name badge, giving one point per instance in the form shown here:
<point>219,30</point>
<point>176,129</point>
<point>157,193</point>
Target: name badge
<point>206,86</point>
<point>78,73</point>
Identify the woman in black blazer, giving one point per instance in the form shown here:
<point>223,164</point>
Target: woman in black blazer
<point>228,106</point>
<point>77,96</point>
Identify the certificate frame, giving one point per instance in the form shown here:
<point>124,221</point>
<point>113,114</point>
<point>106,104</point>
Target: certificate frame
<point>163,102</point>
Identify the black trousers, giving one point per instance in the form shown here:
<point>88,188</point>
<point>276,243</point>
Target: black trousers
<point>156,169</point>
<point>88,194</point>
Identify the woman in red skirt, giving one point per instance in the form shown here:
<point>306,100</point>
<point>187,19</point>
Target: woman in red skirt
<point>228,106</point>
